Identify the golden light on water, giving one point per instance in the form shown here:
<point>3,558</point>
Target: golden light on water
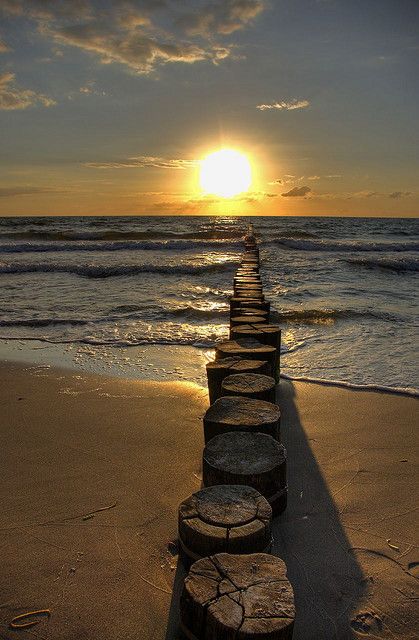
<point>225,173</point>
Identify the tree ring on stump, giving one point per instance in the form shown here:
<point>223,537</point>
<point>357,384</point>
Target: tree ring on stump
<point>241,414</point>
<point>254,459</point>
<point>238,596</point>
<point>224,518</point>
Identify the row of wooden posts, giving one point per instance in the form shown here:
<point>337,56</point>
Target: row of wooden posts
<point>235,588</point>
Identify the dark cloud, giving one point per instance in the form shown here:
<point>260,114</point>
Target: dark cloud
<point>9,192</point>
<point>140,35</point>
<point>138,51</point>
<point>3,46</point>
<point>221,16</point>
<point>14,98</point>
<point>296,192</point>
<point>396,195</point>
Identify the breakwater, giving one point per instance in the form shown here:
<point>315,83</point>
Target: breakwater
<point>235,588</point>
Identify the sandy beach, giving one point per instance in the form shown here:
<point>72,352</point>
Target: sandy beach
<point>93,470</point>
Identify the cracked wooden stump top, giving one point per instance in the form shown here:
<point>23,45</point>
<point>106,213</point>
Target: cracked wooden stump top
<point>224,518</point>
<point>247,348</point>
<point>220,369</point>
<point>250,385</point>
<point>236,597</point>
<point>235,413</point>
<point>240,303</point>
<point>254,459</point>
<point>247,318</point>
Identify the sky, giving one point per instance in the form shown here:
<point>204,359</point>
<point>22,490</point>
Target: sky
<point>107,108</point>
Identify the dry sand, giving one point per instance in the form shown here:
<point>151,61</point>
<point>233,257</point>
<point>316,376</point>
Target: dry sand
<point>73,445</point>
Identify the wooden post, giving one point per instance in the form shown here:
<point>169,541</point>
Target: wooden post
<point>219,369</point>
<point>237,413</point>
<point>253,459</point>
<point>229,518</point>
<point>240,319</point>
<point>247,348</point>
<point>250,385</point>
<point>237,597</point>
<point>239,303</point>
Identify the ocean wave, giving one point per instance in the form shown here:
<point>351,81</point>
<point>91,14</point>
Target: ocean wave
<point>93,341</point>
<point>195,313</point>
<point>114,235</point>
<point>107,271</point>
<point>407,391</point>
<point>318,316</point>
<point>118,245</point>
<point>393,264</point>
<point>346,245</point>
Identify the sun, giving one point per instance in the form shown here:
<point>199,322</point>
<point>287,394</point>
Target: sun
<point>225,173</point>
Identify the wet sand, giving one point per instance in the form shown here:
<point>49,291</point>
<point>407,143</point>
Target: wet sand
<point>93,469</point>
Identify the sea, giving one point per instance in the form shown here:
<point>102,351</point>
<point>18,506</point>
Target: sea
<point>147,296</point>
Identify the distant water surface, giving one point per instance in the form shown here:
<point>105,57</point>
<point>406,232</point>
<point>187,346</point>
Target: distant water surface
<point>344,290</point>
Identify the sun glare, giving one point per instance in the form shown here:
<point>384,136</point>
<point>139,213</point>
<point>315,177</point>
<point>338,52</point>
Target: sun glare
<point>225,173</point>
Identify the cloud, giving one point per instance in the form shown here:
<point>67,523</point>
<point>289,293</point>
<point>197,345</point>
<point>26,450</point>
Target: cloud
<point>136,50</point>
<point>9,192</point>
<point>287,179</point>
<point>396,195</point>
<point>126,32</point>
<point>12,97</point>
<point>297,192</point>
<point>143,162</point>
<point>221,17</point>
<point>284,106</point>
<point>46,9</point>
<point>3,46</point>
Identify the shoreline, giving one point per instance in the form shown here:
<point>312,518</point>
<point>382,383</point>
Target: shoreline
<point>348,534</point>
<point>158,362</point>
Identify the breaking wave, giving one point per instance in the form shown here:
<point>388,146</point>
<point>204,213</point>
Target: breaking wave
<point>318,316</point>
<point>393,264</point>
<point>118,245</point>
<point>114,235</point>
<point>346,245</point>
<point>107,271</point>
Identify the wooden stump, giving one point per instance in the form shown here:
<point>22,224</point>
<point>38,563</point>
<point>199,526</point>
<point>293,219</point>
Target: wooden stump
<point>224,518</point>
<point>240,304</point>
<point>250,288</point>
<point>237,597</point>
<point>220,369</point>
<point>247,319</point>
<point>250,385</point>
<point>251,295</point>
<point>269,334</point>
<point>261,331</point>
<point>247,348</point>
<point>249,311</point>
<point>253,459</point>
<point>236,414</point>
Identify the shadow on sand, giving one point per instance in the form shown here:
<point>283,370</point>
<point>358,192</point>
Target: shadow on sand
<point>328,582</point>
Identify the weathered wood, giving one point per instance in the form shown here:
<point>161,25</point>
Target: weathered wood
<point>253,459</point>
<point>257,288</point>
<point>247,348</point>
<point>247,319</point>
<point>248,312</point>
<point>239,413</point>
<point>240,304</point>
<point>252,295</point>
<point>238,597</point>
<point>250,385</point>
<point>264,333</point>
<point>220,369</point>
<point>224,518</point>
